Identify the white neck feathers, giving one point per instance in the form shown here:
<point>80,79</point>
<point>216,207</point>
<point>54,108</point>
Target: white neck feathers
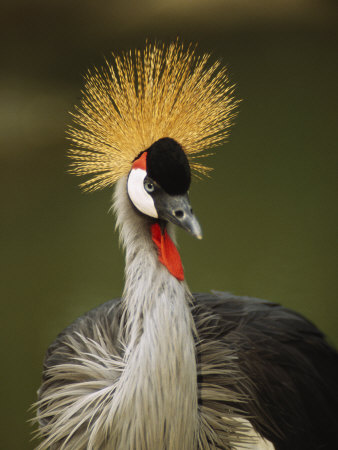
<point>157,391</point>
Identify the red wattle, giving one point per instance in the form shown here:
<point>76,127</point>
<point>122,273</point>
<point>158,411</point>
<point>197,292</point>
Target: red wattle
<point>167,252</point>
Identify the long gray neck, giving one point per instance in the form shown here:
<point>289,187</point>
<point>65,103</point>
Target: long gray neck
<point>157,391</point>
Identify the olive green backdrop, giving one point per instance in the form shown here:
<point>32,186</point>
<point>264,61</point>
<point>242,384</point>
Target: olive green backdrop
<point>267,212</point>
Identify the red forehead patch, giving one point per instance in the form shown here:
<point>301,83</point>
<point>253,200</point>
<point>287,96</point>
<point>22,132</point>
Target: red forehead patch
<point>141,162</point>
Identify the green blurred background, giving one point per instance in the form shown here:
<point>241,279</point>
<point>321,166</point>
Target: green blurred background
<point>267,212</point>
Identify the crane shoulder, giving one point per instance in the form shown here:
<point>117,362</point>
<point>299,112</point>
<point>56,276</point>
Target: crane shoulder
<point>99,325</point>
<point>283,365</point>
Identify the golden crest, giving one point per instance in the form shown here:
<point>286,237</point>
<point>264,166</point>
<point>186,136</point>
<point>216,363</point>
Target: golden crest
<point>142,96</point>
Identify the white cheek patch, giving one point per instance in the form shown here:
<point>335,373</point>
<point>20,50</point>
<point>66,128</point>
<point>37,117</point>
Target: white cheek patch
<point>138,195</point>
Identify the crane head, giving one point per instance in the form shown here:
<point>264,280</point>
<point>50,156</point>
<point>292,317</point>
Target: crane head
<point>158,185</point>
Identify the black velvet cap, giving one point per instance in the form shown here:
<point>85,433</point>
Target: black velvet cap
<point>168,165</point>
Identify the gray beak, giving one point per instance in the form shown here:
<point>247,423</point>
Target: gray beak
<point>177,209</point>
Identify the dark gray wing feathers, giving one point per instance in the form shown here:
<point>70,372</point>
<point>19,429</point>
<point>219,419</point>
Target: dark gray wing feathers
<point>289,365</point>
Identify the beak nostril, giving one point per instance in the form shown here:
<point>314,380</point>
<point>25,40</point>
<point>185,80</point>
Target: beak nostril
<point>179,213</point>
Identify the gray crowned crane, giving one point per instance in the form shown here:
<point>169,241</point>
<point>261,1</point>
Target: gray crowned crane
<point>161,368</point>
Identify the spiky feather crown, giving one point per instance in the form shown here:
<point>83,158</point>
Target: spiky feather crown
<point>141,97</point>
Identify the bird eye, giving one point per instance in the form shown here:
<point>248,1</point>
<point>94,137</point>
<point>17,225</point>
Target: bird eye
<point>149,187</point>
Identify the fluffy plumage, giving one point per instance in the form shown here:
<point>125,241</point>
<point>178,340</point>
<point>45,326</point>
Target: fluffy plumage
<point>241,340</point>
<point>144,96</point>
